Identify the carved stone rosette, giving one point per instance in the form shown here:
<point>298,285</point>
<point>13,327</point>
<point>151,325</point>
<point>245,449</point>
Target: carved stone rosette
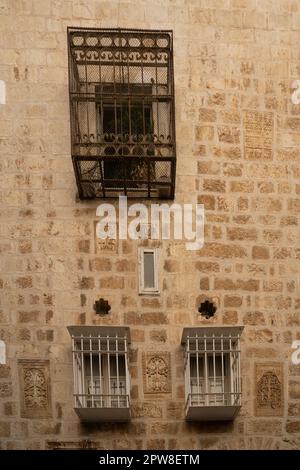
<point>269,398</point>
<point>35,392</point>
<point>157,372</point>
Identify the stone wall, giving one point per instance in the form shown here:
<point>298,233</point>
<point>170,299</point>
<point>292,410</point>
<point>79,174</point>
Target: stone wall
<point>238,154</point>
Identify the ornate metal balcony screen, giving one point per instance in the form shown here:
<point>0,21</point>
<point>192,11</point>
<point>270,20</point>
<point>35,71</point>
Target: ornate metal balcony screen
<point>121,87</point>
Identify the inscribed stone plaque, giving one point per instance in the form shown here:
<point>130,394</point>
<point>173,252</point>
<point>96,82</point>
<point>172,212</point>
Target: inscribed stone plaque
<point>269,389</point>
<point>157,372</point>
<point>35,388</point>
<point>258,135</point>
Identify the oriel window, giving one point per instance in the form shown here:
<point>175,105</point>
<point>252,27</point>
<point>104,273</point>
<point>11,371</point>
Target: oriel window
<point>122,112</point>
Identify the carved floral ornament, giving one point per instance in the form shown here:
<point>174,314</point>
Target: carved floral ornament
<point>269,389</point>
<point>157,372</point>
<point>35,388</point>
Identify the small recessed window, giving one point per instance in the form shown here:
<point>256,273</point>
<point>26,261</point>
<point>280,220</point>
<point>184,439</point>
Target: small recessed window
<point>148,272</point>
<point>2,353</point>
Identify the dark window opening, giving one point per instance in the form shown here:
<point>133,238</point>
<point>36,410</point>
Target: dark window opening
<point>123,123</point>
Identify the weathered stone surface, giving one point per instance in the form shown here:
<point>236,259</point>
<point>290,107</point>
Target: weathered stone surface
<point>207,266</point>
<point>158,335</point>
<point>175,410</point>
<point>241,234</point>
<point>294,409</point>
<point>145,409</point>
<point>294,389</point>
<point>147,318</point>
<point>156,444</point>
<point>229,284</point>
<point>10,408</point>
<point>260,252</point>
<point>100,264</point>
<point>46,428</point>
<point>115,282</point>
<point>86,283</point>
<point>269,426</point>
<point>219,250</point>
<point>137,335</point>
<point>232,301</point>
<point>6,389</point>
<point>230,317</point>
<point>4,429</point>
<point>4,371</point>
<point>208,201</point>
<point>216,186</point>
<point>293,426</point>
<point>254,318</point>
<point>259,130</point>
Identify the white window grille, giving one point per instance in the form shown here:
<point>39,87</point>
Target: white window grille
<point>101,376</point>
<point>212,372</point>
<point>148,271</point>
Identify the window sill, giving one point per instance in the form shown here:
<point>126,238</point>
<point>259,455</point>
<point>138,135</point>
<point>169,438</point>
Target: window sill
<point>151,294</point>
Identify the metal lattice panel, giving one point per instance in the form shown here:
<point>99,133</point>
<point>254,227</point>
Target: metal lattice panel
<point>122,112</point>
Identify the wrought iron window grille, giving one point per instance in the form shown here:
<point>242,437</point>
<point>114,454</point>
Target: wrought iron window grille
<point>101,373</point>
<point>212,372</point>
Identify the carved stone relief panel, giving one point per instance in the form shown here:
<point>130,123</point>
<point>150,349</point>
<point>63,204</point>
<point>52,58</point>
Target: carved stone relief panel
<point>157,372</point>
<point>35,388</point>
<point>269,398</point>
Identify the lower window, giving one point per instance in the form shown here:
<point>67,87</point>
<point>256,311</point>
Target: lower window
<point>212,372</point>
<point>101,376</point>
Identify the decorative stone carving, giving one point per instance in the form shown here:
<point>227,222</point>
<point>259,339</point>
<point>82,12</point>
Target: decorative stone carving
<point>269,389</point>
<point>35,388</point>
<point>157,372</point>
<point>102,307</point>
<point>207,309</point>
<point>258,135</point>
<point>107,245</point>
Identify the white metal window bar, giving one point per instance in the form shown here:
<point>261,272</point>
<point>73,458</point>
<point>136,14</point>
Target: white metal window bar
<point>100,367</point>
<point>212,371</point>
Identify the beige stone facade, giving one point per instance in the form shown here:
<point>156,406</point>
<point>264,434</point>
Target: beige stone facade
<point>238,136</point>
